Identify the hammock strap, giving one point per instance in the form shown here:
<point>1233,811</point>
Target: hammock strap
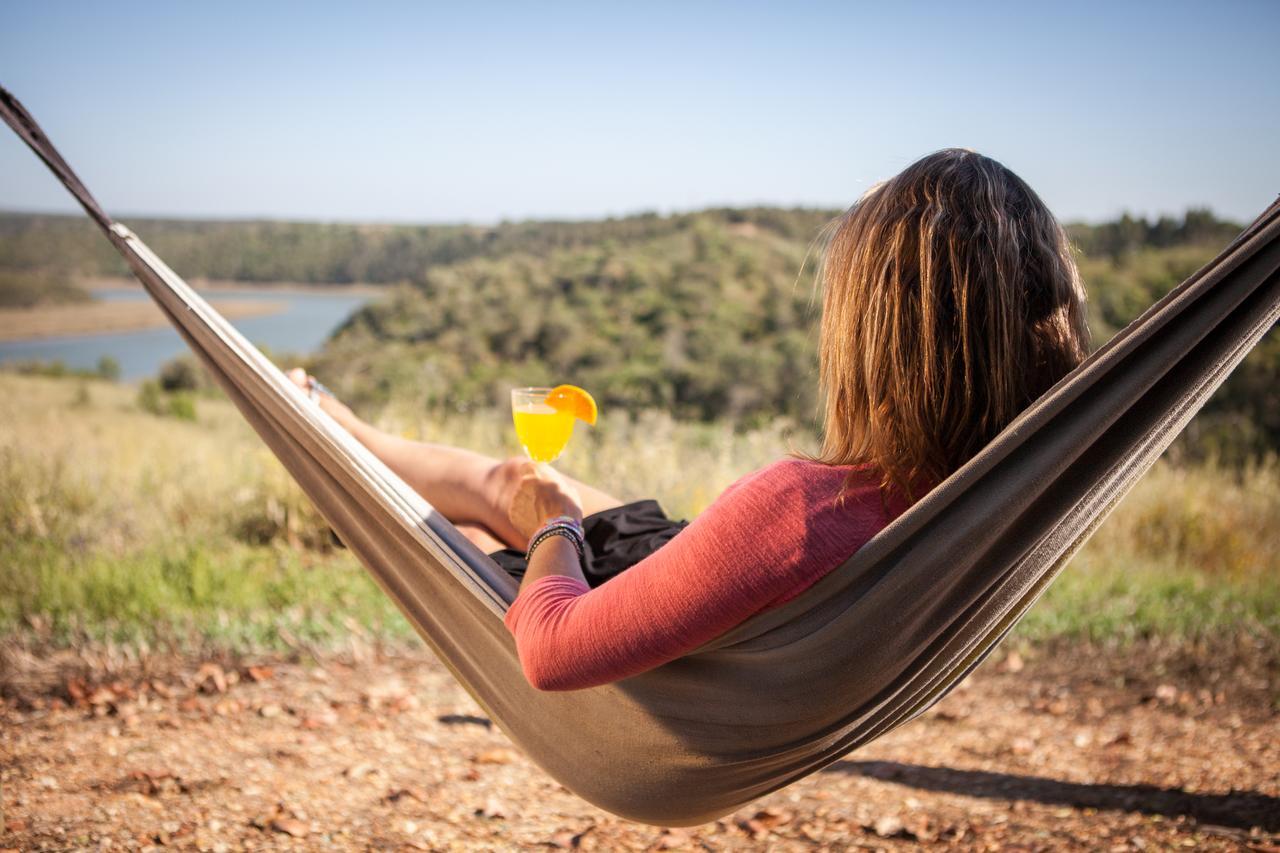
<point>17,117</point>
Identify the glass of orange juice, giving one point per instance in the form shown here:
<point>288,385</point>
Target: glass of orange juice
<point>543,431</point>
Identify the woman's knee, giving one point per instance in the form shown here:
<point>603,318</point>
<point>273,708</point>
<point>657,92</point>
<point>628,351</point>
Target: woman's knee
<point>504,478</point>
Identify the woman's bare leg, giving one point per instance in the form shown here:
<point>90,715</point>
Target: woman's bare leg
<point>482,537</point>
<point>467,487</point>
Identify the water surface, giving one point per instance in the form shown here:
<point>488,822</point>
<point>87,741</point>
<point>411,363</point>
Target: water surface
<point>308,318</point>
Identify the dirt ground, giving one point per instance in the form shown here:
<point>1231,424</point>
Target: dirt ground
<point>1058,750</point>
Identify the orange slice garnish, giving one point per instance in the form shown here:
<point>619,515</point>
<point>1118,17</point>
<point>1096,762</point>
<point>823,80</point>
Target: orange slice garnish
<point>574,401</point>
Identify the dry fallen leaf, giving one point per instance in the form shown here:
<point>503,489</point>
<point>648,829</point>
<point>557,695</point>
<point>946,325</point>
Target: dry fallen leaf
<point>771,817</point>
<point>321,719</point>
<point>951,712</point>
<point>496,756</point>
<point>920,828</point>
<point>76,691</point>
<point>1119,739</point>
<point>811,831</point>
<point>563,839</point>
<point>411,792</point>
<point>887,826</point>
<point>259,674</point>
<point>210,678</point>
<point>493,808</point>
<point>153,783</point>
<point>289,826</point>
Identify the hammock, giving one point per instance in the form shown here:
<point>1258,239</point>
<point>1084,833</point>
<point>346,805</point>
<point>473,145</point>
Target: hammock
<point>870,646</point>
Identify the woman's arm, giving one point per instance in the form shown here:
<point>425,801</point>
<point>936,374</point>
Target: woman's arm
<point>756,546</point>
<point>400,454</point>
<point>555,558</point>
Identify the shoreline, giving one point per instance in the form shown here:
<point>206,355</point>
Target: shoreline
<point>222,285</point>
<point>85,319</point>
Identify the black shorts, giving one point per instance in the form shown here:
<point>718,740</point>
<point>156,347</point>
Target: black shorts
<point>617,539</point>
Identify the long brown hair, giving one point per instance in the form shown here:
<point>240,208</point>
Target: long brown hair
<point>951,302</point>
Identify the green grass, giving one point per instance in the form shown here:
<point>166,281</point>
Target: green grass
<point>200,595</point>
<point>1190,554</point>
<point>120,525</point>
<point>1104,599</point>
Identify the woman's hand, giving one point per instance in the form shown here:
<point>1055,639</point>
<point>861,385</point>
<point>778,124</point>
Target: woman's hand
<point>540,495</point>
<point>331,404</point>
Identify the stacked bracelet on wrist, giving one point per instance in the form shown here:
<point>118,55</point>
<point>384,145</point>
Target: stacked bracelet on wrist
<point>562,525</point>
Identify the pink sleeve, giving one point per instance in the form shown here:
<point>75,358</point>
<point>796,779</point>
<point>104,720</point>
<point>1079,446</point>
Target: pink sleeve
<point>756,545</point>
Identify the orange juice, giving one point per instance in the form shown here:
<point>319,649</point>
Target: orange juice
<point>542,430</point>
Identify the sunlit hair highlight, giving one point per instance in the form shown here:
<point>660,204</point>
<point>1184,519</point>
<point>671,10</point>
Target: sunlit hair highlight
<point>951,301</point>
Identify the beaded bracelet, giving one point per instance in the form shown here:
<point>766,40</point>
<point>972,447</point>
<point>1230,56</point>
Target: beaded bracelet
<point>568,520</point>
<point>565,521</point>
<point>566,532</point>
<point>572,525</point>
<point>562,525</point>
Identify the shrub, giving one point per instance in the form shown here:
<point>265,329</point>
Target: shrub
<point>182,406</point>
<point>108,368</point>
<point>184,373</point>
<point>150,398</point>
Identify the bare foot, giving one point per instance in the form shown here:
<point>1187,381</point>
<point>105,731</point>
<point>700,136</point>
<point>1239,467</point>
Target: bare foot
<point>331,404</point>
<point>299,377</point>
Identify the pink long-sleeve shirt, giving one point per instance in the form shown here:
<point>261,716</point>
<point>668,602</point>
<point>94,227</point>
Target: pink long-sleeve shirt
<point>766,539</point>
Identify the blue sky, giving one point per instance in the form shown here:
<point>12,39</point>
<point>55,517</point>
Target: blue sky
<point>480,112</point>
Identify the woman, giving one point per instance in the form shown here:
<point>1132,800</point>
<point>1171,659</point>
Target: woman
<point>951,302</point>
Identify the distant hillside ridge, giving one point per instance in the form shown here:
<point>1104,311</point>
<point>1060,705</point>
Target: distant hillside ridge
<point>341,253</point>
<point>268,251</point>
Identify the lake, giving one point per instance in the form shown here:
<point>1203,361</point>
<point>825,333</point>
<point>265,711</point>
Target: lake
<point>309,317</point>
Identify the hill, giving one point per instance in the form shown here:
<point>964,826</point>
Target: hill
<point>706,315</point>
<point>715,316</point>
<point>269,251</point>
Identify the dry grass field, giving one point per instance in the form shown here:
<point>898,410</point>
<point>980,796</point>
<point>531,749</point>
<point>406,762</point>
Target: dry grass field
<point>120,524</point>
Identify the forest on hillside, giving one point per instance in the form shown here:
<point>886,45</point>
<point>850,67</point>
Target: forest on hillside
<point>337,253</point>
<point>715,316</point>
<point>706,315</point>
